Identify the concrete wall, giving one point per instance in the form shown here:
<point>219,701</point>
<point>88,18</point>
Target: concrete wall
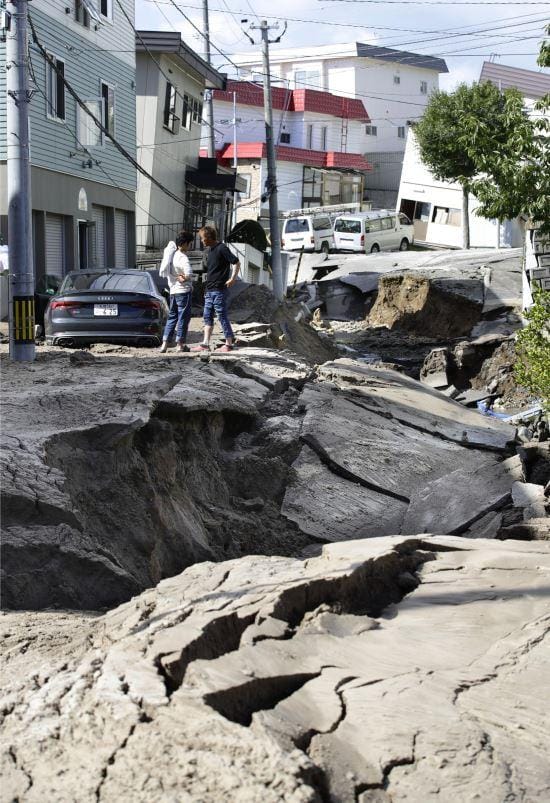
<point>249,208</point>
<point>164,154</point>
<point>289,184</point>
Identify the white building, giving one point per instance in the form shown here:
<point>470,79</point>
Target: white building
<point>436,206</point>
<point>318,137</point>
<point>395,85</point>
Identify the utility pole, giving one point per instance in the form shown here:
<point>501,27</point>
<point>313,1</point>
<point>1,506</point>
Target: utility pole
<point>21,278</point>
<point>209,104</point>
<point>271,183</point>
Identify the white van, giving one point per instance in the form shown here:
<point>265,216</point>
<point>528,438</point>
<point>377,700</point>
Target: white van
<point>310,232</point>
<point>380,230</point>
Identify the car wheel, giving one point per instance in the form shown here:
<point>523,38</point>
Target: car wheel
<point>375,249</point>
<point>404,244</point>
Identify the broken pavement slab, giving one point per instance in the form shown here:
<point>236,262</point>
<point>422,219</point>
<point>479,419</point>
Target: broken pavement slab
<point>459,499</point>
<point>398,472</point>
<point>438,690</point>
<point>411,403</point>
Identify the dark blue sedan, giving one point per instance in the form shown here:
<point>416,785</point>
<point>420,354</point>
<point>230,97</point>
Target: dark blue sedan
<point>108,306</point>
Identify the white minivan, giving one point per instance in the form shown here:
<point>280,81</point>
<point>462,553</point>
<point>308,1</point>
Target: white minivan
<point>379,230</point>
<point>310,232</point>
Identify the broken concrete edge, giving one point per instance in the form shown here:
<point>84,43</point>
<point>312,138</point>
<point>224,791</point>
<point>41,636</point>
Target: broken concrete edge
<point>205,633</point>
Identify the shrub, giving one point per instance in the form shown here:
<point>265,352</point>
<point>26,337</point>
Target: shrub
<point>532,368</point>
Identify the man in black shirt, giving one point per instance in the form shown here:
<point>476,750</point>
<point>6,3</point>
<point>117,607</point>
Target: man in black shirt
<point>222,268</point>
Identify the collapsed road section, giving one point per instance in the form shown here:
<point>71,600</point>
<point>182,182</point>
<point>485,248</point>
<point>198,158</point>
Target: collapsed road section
<point>122,471</point>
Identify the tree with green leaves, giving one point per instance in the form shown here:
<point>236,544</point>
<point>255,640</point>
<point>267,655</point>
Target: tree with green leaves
<point>514,177</point>
<point>461,131</point>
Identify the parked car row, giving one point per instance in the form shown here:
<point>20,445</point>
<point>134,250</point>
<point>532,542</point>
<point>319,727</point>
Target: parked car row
<point>363,232</point>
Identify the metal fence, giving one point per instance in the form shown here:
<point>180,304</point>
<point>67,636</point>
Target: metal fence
<point>154,236</point>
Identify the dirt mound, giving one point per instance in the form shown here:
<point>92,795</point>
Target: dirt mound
<point>289,329</point>
<point>251,303</point>
<point>416,304</point>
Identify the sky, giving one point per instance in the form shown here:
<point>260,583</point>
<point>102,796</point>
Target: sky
<point>464,33</point>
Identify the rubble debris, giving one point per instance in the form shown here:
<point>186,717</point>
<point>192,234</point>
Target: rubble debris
<point>342,302</point>
<point>531,530</point>
<point>273,679</point>
<point>536,461</point>
<point>434,369</point>
<point>530,498</point>
<point>252,306</point>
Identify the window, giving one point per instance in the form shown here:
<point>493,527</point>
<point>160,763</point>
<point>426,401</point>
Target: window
<point>191,112</point>
<point>196,116</point>
<point>387,223</point>
<point>324,131</point>
<point>446,216</point>
<point>108,107</point>
<point>401,132</point>
<point>108,281</point>
<point>348,226</point>
<point>404,220</point>
<point>422,211</point>
<point>321,224</point>
<point>304,79</point>
<point>309,136</point>
<point>106,9</point>
<point>373,225</point>
<point>423,87</point>
<point>88,134</point>
<point>88,12</point>
<point>55,88</point>
<point>396,79</point>
<point>81,14</point>
<point>247,178</point>
<point>296,225</point>
<point>169,115</point>
<point>371,130</point>
<point>187,111</point>
<point>285,138</point>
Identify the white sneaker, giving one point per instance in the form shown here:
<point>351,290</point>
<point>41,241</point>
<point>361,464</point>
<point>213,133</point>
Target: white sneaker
<point>164,347</point>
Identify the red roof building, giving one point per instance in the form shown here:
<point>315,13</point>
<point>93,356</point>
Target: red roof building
<point>318,144</point>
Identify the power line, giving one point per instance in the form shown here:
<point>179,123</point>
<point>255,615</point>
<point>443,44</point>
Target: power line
<point>332,23</point>
<point>407,56</point>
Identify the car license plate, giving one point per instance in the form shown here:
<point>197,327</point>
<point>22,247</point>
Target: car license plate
<point>105,309</point>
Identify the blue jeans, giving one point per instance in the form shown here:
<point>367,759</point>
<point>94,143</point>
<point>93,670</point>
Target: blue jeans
<point>214,302</point>
<point>180,313</point>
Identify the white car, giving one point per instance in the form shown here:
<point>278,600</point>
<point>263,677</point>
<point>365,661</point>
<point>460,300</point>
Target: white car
<point>380,230</point>
<point>310,232</point>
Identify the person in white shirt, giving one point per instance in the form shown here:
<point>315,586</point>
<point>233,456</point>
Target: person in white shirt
<point>176,268</point>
